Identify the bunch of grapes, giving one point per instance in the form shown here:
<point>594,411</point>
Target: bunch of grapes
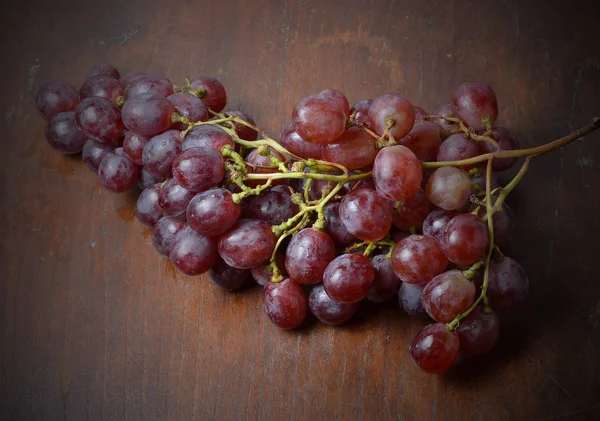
<point>369,202</point>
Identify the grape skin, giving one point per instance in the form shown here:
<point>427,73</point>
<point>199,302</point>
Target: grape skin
<point>392,107</point>
<point>360,111</point>
<point>247,244</point>
<point>148,211</point>
<point>164,232</point>
<point>412,212</point>
<point>273,206</point>
<point>348,278</point>
<point>474,101</point>
<point>227,277</point>
<point>102,86</point>
<point>104,70</point>
<point>478,333</point>
<point>160,152</point>
<point>294,143</point>
<point>417,259</point>
<point>54,98</point>
<point>354,149</point>
<point>93,152</point>
<point>206,136</point>
<point>449,188</point>
<point>397,173</point>
<point>193,253</point>
<point>448,295</point>
<point>365,214</point>
<point>117,173</point>
<point>173,198</point>
<point>436,221</point>
<point>424,140</point>
<point>385,284</point>
<point>198,169</point>
<point>507,141</point>
<point>318,119</point>
<point>465,239</point>
<point>63,135</point>
<point>285,303</point>
<point>307,256</point>
<point>212,212</point>
<point>409,298</point>
<point>99,119</point>
<point>133,145</point>
<point>148,84</point>
<point>147,114</point>
<point>328,310</point>
<point>215,96</point>
<point>508,284</point>
<point>334,226</point>
<point>435,348</point>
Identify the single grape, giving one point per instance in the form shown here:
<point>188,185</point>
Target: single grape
<point>145,179</point>
<point>435,348</point>
<point>507,141</point>
<point>354,149</point>
<point>409,298</point>
<point>445,111</point>
<point>193,253</point>
<point>457,147</point>
<point>334,226</point>
<point>164,232</point>
<point>420,113</point>
<point>397,173</point>
<point>412,212</point>
<point>348,278</point>
<point>285,304</point>
<point>160,152</point>
<point>56,97</point>
<point>292,141</point>
<point>360,111</point>
<point>247,244</point>
<point>227,277</point>
<point>99,119</point>
<point>417,259</point>
<point>190,107</point>
<point>93,152</point>
<point>256,163</point>
<point>116,172</point>
<point>262,274</point>
<point>508,284</point>
<point>448,295</point>
<point>148,84</point>
<point>244,132</point>
<point>198,169</point>
<point>206,136</point>
<point>147,114</point>
<point>328,310</point>
<point>63,135</point>
<point>478,333</point>
<point>211,92</point>
<point>173,199</point>
<point>386,283</point>
<point>148,210</point>
<point>307,256</point>
<point>424,140</point>
<point>102,86</point>
<point>339,98</point>
<point>366,214</point>
<point>212,212</point>
<point>464,239</point>
<point>318,119</point>
<point>436,221</point>
<point>391,110</point>
<point>104,70</point>
<point>133,146</point>
<point>474,102</point>
<point>273,206</point>
<point>449,188</point>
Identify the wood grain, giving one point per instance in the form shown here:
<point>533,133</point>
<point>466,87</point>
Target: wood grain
<point>94,325</point>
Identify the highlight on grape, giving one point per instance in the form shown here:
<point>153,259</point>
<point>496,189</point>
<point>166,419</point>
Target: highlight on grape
<point>376,201</point>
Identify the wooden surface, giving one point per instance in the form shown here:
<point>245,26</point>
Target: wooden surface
<point>95,325</point>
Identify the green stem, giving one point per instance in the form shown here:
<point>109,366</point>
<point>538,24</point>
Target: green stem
<point>315,176</point>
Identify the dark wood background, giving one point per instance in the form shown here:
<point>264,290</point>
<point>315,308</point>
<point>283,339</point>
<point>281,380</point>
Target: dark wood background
<point>95,325</point>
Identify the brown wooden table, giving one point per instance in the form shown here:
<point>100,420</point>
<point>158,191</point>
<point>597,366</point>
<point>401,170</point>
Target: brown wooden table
<point>95,325</point>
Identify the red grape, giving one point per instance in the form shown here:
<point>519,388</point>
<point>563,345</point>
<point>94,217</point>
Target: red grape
<point>420,113</point>
<point>164,232</point>
<point>360,111</point>
<point>148,84</point>
<point>307,256</point>
<point>116,172</point>
<point>93,152</point>
<point>436,221</point>
<point>339,98</point>
<point>147,114</point>
<point>435,348</point>
<point>63,135</point>
<point>295,144</point>
<point>457,147</point>
<point>508,284</point>
<point>56,97</point>
<point>193,253</point>
<point>318,119</point>
<point>424,140</point>
<point>173,199</point>
<point>448,295</point>
<point>412,212</point>
<point>285,304</point>
<point>507,141</point>
<point>212,212</point>
<point>334,226</point>
<point>256,161</point>
<point>464,239</point>
<point>99,119</point>
<point>445,111</point>
<point>227,277</point>
<point>366,214</point>
<point>354,149</point>
<point>214,95</point>
<point>348,278</point>
<point>247,244</point>
<point>133,145</point>
<point>409,298</point>
<point>386,283</point>
<point>273,206</point>
<point>395,109</point>
<point>417,259</point>
<point>104,70</point>
<point>198,169</point>
<point>206,136</point>
<point>473,102</point>
<point>449,188</point>
<point>102,86</point>
<point>148,210</point>
<point>190,107</point>
<point>160,152</point>
<point>243,131</point>
<point>478,333</point>
<point>397,173</point>
<point>328,310</point>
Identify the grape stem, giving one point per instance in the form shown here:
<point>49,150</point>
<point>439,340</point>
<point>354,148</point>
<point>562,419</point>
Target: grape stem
<point>519,153</point>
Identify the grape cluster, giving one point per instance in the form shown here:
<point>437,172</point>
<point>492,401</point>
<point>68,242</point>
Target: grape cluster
<point>369,202</point>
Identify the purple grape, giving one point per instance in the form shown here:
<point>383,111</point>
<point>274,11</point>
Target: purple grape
<point>116,172</point>
<point>148,210</point>
<point>198,169</point>
<point>149,84</point>
<point>212,212</point>
<point>273,206</point>
<point>56,97</point>
<point>190,107</point>
<point>193,253</point>
<point>307,256</point>
<point>386,284</point>
<point>285,304</point>
<point>102,86</point>
<point>148,114</point>
<point>214,95</point>
<point>160,152</point>
<point>328,310</point>
<point>164,232</point>
<point>104,70</point>
<point>206,136</point>
<point>99,119</point>
<point>63,135</point>
<point>227,277</point>
<point>93,152</point>
<point>173,199</point>
<point>247,244</point>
